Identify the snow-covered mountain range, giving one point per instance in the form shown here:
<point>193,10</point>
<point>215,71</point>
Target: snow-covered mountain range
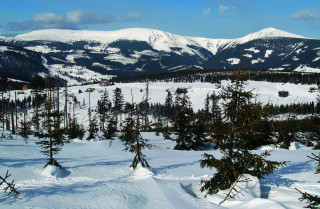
<point>74,54</point>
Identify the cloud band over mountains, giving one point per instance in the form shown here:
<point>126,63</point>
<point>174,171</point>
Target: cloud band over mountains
<point>72,20</point>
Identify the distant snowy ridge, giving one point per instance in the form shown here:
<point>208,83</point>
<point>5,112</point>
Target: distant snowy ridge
<point>159,40</point>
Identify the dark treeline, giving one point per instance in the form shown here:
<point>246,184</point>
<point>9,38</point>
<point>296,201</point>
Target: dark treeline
<point>299,109</point>
<point>215,76</point>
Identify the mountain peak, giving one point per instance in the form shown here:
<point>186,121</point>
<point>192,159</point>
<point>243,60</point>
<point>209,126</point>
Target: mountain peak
<point>269,33</point>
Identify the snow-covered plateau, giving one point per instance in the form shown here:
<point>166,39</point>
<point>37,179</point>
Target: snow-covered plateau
<point>97,174</point>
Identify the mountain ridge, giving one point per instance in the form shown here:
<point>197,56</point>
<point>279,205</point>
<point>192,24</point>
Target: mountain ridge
<point>160,40</point>
<point>84,55</point>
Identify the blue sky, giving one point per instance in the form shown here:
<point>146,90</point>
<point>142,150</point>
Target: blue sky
<point>202,18</point>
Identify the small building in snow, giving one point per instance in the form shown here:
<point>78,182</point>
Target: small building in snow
<point>105,82</point>
<point>283,93</point>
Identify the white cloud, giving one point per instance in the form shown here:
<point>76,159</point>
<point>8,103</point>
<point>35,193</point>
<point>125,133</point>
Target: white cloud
<point>82,17</point>
<point>223,8</point>
<point>207,11</point>
<point>227,10</point>
<point>47,17</point>
<point>72,20</point>
<point>305,15</point>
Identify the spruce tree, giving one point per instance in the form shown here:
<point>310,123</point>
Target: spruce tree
<point>75,130</point>
<point>206,104</point>
<point>191,129</point>
<point>93,128</point>
<point>134,142</point>
<point>168,104</point>
<point>199,130</point>
<point>111,130</point>
<point>25,130</point>
<point>182,126</point>
<point>37,84</point>
<point>118,101</point>
<point>241,114</point>
<point>215,108</point>
<point>4,84</point>
<point>53,137</point>
<point>145,107</point>
<point>103,109</point>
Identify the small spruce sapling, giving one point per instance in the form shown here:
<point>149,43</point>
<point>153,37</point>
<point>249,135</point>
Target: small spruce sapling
<point>53,137</point>
<point>134,142</point>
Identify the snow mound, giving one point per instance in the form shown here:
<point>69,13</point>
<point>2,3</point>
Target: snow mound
<point>247,190</point>
<point>141,173</point>
<point>268,147</point>
<point>295,146</point>
<point>79,141</point>
<point>54,171</point>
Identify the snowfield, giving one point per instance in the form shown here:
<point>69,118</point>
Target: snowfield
<point>98,176</point>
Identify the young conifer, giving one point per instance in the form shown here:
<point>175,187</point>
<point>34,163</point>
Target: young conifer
<point>53,136</point>
<point>134,142</point>
<point>241,114</point>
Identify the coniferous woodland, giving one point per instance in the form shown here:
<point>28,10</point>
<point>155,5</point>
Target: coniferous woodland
<point>216,75</point>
